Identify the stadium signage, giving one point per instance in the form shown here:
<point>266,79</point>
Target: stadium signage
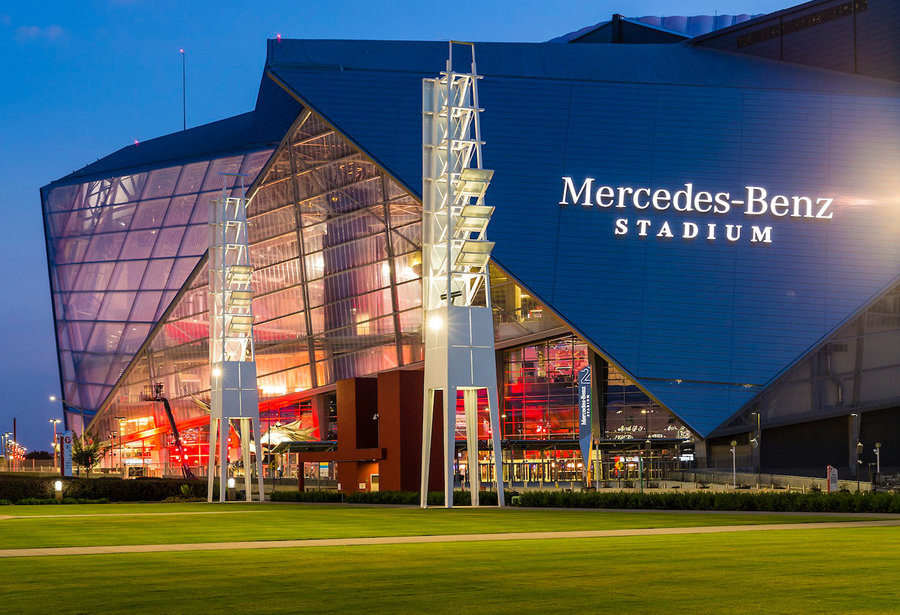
<point>755,204</point>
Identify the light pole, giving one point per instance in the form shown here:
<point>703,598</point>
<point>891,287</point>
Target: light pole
<point>734,464</point>
<point>878,458</point>
<point>54,422</point>
<point>859,451</point>
<point>65,405</point>
<point>756,442</point>
<point>119,420</point>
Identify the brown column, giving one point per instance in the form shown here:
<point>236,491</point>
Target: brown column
<point>357,427</point>
<point>400,396</point>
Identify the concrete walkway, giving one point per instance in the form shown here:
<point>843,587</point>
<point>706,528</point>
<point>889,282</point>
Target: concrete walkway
<point>389,540</point>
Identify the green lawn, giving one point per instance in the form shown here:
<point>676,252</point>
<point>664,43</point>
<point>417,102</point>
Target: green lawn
<point>852,570</point>
<point>241,522</point>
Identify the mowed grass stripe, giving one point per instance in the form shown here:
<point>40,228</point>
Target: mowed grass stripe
<point>332,542</point>
<point>321,522</point>
<point>847,570</point>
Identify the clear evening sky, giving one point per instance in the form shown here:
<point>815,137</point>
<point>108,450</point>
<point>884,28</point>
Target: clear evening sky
<point>83,79</point>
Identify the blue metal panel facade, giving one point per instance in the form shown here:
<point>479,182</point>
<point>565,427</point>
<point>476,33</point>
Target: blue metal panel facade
<point>702,325</point>
<point>846,35</point>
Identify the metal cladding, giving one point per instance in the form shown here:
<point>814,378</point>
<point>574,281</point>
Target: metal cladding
<point>724,214</point>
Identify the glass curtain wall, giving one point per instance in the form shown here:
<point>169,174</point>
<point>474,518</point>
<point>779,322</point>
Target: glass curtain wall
<point>335,246</point>
<point>120,248</point>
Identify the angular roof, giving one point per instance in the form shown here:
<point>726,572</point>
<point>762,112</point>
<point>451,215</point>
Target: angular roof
<point>701,326</point>
<point>686,26</point>
<point>262,127</point>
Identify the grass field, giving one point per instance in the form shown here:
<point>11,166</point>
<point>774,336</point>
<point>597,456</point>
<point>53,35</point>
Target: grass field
<point>850,570</point>
<point>118,524</point>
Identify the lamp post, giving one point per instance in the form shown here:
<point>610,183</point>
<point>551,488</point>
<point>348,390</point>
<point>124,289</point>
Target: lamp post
<point>859,451</point>
<point>5,441</point>
<point>119,420</point>
<point>878,458</point>
<point>66,404</point>
<point>757,444</point>
<point>54,422</point>
<point>734,464</point>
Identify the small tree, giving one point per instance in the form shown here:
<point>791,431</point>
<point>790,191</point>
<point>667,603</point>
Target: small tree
<point>39,455</point>
<point>87,452</point>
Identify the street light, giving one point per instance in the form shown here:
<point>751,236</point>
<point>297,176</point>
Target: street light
<point>878,458</point>
<point>119,419</point>
<point>734,464</point>
<point>756,442</point>
<point>54,422</point>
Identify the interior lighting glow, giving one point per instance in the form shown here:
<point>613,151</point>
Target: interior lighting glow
<point>58,485</point>
<point>435,323</point>
<point>216,372</point>
<point>231,482</point>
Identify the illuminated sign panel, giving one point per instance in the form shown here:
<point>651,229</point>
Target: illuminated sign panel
<point>756,203</point>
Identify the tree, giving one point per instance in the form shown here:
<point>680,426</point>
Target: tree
<point>39,455</point>
<point>87,452</point>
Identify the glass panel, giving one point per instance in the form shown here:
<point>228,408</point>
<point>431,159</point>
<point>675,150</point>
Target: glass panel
<point>105,247</point>
<point>161,183</point>
<point>128,275</point>
<point>157,273</point>
<point>150,214</point>
<point>191,178</point>
<point>169,241</point>
<point>180,210</point>
<point>139,244</point>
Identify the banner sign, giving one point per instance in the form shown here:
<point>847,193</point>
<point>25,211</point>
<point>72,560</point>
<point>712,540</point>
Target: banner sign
<point>65,452</point>
<point>831,474</point>
<point>584,413</point>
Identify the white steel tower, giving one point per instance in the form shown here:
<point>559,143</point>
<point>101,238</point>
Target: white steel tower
<point>232,364</point>
<point>459,328</point>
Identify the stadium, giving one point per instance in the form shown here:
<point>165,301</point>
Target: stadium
<point>703,210</point>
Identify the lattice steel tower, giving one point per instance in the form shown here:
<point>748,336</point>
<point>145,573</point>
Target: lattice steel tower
<point>234,396</point>
<point>459,328</point>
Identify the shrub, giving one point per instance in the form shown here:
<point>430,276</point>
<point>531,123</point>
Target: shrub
<point>774,502</point>
<point>114,489</point>
<point>408,498</point>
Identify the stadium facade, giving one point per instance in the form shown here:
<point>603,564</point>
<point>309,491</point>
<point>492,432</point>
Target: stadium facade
<point>705,210</point>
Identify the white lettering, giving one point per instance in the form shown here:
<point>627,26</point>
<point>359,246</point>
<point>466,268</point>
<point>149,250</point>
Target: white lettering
<point>569,189</point>
<point>661,197</point>
<point>753,199</point>
<point>603,193</point>
<point>665,231</point>
<point>825,203</point>
<point>622,191</point>
<point>690,230</point>
<point>642,227</point>
<point>635,198</point>
<point>807,202</point>
<point>723,205</point>
<point>732,236</point>
<point>779,205</point>
<point>687,194</point>
<point>711,232</point>
<point>703,199</point>
<point>621,226</point>
<point>764,235</point>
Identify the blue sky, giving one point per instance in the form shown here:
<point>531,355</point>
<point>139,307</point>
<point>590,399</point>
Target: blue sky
<point>83,79</point>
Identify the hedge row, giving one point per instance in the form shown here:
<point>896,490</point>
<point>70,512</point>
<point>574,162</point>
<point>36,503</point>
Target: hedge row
<point>435,498</point>
<point>32,501</point>
<point>864,502</point>
<point>17,488</point>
